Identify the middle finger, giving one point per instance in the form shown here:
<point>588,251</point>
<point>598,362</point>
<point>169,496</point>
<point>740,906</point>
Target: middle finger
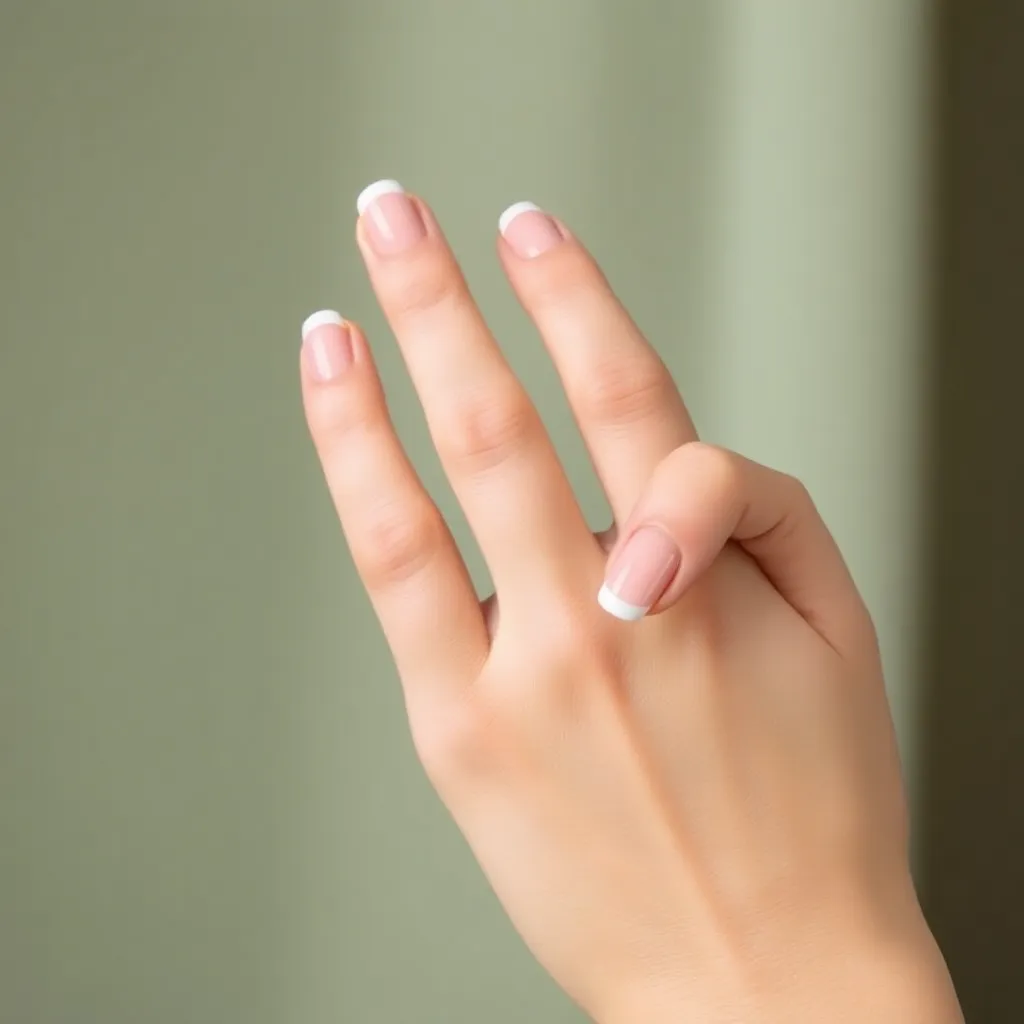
<point>490,438</point>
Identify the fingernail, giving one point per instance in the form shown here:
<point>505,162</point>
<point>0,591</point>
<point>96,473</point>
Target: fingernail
<point>529,230</point>
<point>393,223</point>
<point>328,344</point>
<point>639,574</point>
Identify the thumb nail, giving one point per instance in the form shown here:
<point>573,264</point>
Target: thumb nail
<point>638,574</point>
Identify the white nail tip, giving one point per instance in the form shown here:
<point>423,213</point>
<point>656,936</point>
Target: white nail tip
<point>514,211</point>
<point>619,608</point>
<point>373,192</point>
<point>320,319</point>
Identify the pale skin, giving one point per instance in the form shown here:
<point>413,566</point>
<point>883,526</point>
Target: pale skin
<point>697,815</point>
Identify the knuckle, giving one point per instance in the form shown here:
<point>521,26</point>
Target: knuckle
<point>719,468</point>
<point>571,660</point>
<point>620,392</point>
<point>482,432</point>
<point>800,495</point>
<point>357,411</point>
<point>799,508</point>
<point>460,743</point>
<point>396,542</point>
<point>504,727</point>
<point>568,275</point>
<point>431,284</point>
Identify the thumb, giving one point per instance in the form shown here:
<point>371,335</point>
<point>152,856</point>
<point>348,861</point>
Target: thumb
<point>700,498</point>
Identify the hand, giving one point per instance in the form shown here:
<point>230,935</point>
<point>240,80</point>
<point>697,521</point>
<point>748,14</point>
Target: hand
<point>696,816</point>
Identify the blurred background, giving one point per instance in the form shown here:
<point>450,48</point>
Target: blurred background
<point>209,807</point>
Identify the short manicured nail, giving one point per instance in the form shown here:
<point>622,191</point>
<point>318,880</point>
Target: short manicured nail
<point>393,223</point>
<point>529,230</point>
<point>638,574</point>
<point>328,344</point>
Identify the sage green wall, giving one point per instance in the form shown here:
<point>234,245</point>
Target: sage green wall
<point>210,809</point>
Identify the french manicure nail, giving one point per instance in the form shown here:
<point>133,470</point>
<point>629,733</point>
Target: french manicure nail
<point>328,344</point>
<point>393,222</point>
<point>529,230</point>
<point>638,574</point>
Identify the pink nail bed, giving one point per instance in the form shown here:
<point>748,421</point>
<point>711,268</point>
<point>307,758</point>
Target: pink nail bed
<point>393,222</point>
<point>639,573</point>
<point>528,230</point>
<point>327,343</point>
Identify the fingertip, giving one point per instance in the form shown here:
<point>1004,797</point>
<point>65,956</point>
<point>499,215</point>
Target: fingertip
<point>513,212</point>
<point>321,318</point>
<point>327,350</point>
<point>614,605</point>
<point>373,192</point>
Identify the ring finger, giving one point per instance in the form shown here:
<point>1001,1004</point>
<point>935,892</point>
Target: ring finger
<point>402,548</point>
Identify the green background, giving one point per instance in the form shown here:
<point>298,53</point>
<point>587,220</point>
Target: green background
<point>210,808</point>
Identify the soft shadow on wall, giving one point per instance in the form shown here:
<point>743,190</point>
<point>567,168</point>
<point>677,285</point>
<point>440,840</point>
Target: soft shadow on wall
<point>971,816</point>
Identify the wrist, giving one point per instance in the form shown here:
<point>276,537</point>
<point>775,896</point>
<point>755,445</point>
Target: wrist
<point>883,982</point>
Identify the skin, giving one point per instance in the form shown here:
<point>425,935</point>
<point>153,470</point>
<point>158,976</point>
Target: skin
<point>696,816</point>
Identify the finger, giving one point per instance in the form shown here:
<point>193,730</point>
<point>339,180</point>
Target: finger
<point>401,546</point>
<point>625,402</point>
<point>700,498</point>
<point>492,444</point>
